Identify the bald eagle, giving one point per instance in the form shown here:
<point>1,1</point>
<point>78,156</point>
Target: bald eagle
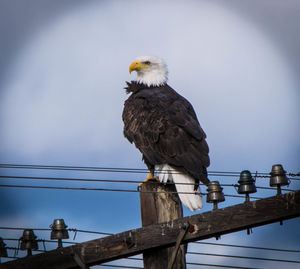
<point>164,127</point>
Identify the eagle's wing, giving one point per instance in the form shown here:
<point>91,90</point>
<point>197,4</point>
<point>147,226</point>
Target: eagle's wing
<point>164,127</point>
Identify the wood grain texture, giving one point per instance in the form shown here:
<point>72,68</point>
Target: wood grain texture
<point>160,203</point>
<point>136,241</point>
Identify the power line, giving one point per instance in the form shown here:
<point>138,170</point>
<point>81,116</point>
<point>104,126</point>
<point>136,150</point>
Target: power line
<point>19,228</point>
<point>131,170</point>
<point>120,266</point>
<point>219,265</point>
<point>249,247</point>
<point>66,188</point>
<point>106,233</point>
<point>197,253</point>
<point>49,229</point>
<point>113,190</point>
<point>87,180</point>
<point>120,181</point>
<point>188,263</point>
<point>105,169</point>
<point>90,232</point>
<point>189,252</point>
<point>40,240</point>
<point>242,257</point>
<point>92,169</point>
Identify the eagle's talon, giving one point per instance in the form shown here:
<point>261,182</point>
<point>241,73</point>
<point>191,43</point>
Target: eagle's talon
<point>149,177</point>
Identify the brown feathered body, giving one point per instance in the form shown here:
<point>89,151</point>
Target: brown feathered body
<point>164,127</point>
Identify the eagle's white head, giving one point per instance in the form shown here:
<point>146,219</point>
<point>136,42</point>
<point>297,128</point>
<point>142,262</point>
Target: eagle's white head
<point>151,70</point>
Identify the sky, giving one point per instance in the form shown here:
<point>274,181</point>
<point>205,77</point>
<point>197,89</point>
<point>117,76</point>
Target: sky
<point>63,67</point>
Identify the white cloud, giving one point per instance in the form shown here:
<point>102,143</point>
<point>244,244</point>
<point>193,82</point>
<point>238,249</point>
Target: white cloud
<point>65,91</point>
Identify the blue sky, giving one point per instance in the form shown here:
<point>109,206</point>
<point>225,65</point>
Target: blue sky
<point>62,77</point>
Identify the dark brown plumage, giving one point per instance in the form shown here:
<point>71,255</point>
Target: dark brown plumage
<point>164,127</point>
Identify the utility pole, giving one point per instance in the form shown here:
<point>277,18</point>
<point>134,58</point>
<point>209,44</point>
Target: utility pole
<point>160,203</point>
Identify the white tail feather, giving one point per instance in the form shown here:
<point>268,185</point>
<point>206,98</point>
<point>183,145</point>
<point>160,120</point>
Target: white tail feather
<point>192,199</point>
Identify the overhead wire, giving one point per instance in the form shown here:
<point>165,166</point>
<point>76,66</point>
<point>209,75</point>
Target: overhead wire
<point>66,188</point>
<point>106,233</point>
<point>89,168</point>
<point>187,263</point>
<point>198,242</point>
<point>220,266</point>
<point>189,252</point>
<point>248,247</point>
<point>241,257</point>
<point>113,190</point>
<point>106,181</point>
<point>41,240</point>
<point>109,181</point>
<point>120,266</point>
<point>115,169</point>
<point>22,228</point>
<point>49,229</point>
<point>119,181</point>
<point>137,170</point>
<point>228,256</point>
<point>85,231</point>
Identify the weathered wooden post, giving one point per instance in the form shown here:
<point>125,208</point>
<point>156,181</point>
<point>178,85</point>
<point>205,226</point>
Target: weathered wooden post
<point>160,203</point>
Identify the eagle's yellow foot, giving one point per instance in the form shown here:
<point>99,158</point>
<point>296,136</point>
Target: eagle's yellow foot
<point>150,176</point>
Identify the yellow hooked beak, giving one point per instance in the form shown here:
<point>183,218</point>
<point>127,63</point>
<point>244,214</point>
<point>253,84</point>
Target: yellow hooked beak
<point>137,66</point>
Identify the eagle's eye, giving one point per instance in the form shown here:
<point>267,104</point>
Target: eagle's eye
<point>147,62</point>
